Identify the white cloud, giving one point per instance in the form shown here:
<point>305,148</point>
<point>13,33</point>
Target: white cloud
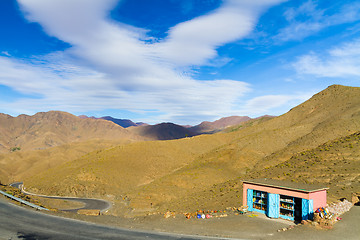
<point>308,19</point>
<point>118,49</point>
<point>110,66</point>
<point>342,61</point>
<point>81,90</point>
<point>194,42</point>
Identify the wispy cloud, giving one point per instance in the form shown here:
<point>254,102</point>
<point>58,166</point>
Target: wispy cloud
<point>112,65</point>
<point>194,42</point>
<point>81,90</point>
<point>342,61</point>
<point>6,53</point>
<point>309,19</point>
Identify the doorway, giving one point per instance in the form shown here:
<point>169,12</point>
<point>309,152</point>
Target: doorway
<point>298,210</point>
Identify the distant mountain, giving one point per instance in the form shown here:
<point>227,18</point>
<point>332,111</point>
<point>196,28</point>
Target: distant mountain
<point>158,131</point>
<point>54,128</point>
<point>125,123</point>
<point>168,131</point>
<point>218,125</point>
<point>162,131</point>
<point>122,122</point>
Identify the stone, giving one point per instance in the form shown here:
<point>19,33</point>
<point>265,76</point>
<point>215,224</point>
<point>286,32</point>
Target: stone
<point>355,198</point>
<point>315,224</point>
<point>167,214</point>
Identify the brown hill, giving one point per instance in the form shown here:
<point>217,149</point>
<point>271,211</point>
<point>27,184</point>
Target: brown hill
<point>176,174</point>
<point>335,164</point>
<point>162,131</point>
<point>54,128</point>
<point>222,123</point>
<point>19,165</point>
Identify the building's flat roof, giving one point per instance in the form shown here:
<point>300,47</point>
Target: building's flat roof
<point>286,185</point>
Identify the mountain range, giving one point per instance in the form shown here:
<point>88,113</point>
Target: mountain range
<point>49,129</point>
<point>168,131</point>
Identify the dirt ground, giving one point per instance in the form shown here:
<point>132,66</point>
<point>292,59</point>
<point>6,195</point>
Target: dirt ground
<point>249,226</point>
<point>348,228</point>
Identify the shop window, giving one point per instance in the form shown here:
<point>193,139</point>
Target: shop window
<point>260,201</point>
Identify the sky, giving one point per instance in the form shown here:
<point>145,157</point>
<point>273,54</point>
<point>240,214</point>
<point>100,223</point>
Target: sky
<point>180,61</point>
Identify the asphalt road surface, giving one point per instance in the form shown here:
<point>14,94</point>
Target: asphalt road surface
<point>21,223</point>
<point>90,203</point>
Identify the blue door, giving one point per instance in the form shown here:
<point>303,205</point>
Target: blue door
<point>273,208</point>
<point>250,200</point>
<point>307,209</point>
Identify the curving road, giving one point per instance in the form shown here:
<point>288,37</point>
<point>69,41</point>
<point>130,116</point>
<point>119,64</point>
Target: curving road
<point>21,223</point>
<point>89,203</point>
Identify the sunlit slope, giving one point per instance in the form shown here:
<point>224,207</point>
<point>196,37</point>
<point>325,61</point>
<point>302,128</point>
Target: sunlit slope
<point>328,115</point>
<point>335,164</point>
<point>122,168</point>
<point>19,165</point>
<point>332,113</point>
<point>161,173</point>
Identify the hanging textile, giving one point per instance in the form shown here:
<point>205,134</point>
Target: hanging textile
<point>307,209</point>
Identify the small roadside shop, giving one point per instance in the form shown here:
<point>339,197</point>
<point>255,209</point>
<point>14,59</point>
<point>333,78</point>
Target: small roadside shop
<point>280,199</point>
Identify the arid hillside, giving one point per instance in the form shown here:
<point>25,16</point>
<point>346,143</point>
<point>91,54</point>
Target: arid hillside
<point>19,165</point>
<point>335,164</point>
<point>54,128</point>
<point>32,144</point>
<point>147,176</point>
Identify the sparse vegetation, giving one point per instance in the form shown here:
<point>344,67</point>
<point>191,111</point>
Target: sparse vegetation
<point>13,149</point>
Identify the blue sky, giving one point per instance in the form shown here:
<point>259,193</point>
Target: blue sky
<point>181,61</point>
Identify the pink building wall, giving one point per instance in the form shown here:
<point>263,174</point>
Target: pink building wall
<point>319,197</point>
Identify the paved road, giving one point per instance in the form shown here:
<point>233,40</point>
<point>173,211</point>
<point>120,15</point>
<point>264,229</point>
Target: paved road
<point>348,228</point>
<point>21,223</point>
<point>90,203</point>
